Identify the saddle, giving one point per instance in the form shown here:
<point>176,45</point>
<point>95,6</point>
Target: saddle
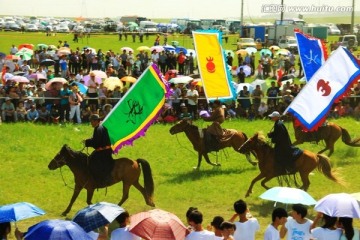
<point>212,141</point>
<point>101,170</point>
<point>285,161</point>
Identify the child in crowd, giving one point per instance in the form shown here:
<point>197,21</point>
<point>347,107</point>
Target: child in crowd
<point>228,229</point>
<point>297,226</point>
<point>195,220</point>
<point>279,217</point>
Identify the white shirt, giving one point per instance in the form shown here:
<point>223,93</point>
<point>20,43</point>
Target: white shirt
<point>79,77</point>
<point>246,230</point>
<point>320,233</point>
<point>201,235</point>
<point>191,93</point>
<point>123,234</point>
<point>296,230</point>
<point>271,233</point>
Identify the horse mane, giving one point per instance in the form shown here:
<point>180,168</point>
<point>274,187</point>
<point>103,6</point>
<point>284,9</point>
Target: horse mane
<point>79,157</point>
<point>262,140</point>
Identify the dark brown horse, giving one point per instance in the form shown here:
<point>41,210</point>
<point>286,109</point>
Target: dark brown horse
<point>193,134</point>
<point>330,133</point>
<point>125,170</point>
<point>304,165</point>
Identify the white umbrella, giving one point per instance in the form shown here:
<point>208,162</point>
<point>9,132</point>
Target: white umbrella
<point>339,205</point>
<point>157,48</point>
<point>181,79</point>
<point>262,83</point>
<point>127,49</point>
<point>250,50</point>
<point>246,69</point>
<point>191,51</point>
<point>240,87</point>
<point>288,195</point>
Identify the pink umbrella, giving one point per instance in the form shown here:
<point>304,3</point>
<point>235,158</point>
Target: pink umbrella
<point>87,78</point>
<point>55,81</point>
<point>20,79</point>
<point>100,74</point>
<point>158,224</point>
<point>157,48</point>
<point>127,49</point>
<point>36,76</point>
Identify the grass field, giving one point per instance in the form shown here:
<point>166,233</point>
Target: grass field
<point>26,150</point>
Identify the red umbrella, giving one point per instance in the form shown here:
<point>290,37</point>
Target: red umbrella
<point>26,45</point>
<point>157,224</point>
<point>12,57</point>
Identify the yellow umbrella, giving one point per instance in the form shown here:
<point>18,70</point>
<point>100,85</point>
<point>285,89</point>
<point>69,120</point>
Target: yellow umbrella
<point>112,82</point>
<point>143,48</point>
<point>128,79</point>
<point>283,51</point>
<point>243,52</point>
<point>274,47</point>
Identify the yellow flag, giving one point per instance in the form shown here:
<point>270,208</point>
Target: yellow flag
<point>213,70</point>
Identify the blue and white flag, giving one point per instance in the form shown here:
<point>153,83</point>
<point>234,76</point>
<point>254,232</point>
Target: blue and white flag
<point>326,86</point>
<point>312,53</point>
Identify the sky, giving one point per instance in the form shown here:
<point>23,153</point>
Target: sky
<point>159,9</point>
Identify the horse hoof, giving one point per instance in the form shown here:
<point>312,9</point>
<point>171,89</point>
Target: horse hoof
<point>64,214</point>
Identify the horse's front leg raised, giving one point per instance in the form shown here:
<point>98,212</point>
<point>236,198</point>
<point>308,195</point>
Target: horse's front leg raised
<point>247,155</point>
<point>257,178</point>
<point>76,192</point>
<point>265,181</point>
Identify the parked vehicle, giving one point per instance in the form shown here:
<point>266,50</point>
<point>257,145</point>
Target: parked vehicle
<point>348,41</point>
<point>289,43</point>
<point>245,42</point>
<point>333,30</point>
<point>11,27</point>
<point>31,28</point>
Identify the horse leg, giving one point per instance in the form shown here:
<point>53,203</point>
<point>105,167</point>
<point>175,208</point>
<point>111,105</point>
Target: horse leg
<point>265,180</point>
<point>207,159</point>
<point>247,155</point>
<point>257,178</point>
<point>125,196</point>
<point>199,161</point>
<point>76,192</point>
<point>326,148</point>
<point>305,179</point>
<point>148,200</point>
<point>89,195</point>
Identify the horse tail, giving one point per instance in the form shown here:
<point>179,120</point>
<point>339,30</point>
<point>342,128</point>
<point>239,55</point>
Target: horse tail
<point>345,137</point>
<point>148,179</point>
<point>325,168</point>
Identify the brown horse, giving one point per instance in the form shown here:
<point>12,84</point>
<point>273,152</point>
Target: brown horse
<point>329,133</point>
<point>193,134</point>
<point>304,165</point>
<point>124,169</point>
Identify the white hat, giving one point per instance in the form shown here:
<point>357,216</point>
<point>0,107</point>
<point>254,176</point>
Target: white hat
<point>182,105</point>
<point>275,114</point>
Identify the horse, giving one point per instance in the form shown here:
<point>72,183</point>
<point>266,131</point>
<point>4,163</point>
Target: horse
<point>125,170</point>
<point>304,165</point>
<point>193,133</point>
<point>330,133</point>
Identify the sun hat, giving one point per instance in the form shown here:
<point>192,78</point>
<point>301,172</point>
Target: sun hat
<point>275,114</point>
<point>7,98</point>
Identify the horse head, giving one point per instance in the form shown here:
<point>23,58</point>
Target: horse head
<point>179,127</point>
<point>252,143</point>
<point>60,159</point>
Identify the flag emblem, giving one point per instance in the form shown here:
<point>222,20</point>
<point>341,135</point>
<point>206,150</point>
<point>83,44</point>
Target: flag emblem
<point>210,66</point>
<point>324,87</point>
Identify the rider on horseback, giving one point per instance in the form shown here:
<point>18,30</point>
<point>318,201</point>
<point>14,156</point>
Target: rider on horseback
<point>100,160</point>
<point>284,151</point>
<point>215,132</point>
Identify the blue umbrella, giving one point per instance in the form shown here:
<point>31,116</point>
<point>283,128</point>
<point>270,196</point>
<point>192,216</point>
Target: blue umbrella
<point>265,51</point>
<point>169,48</point>
<point>288,195</point>
<point>56,230</point>
<point>2,54</point>
<point>82,88</point>
<point>18,211</point>
<point>97,215</point>
<point>180,49</point>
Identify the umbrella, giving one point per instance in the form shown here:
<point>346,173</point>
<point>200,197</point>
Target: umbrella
<point>41,46</point>
<point>82,88</point>
<point>240,87</point>
<point>339,205</point>
<point>265,51</point>
<point>128,79</point>
<point>169,48</point>
<point>87,78</point>
<point>26,45</point>
<point>143,48</point>
<point>242,52</point>
<point>93,50</point>
<point>20,79</point>
<point>157,48</point>
<point>25,50</point>
<point>250,50</point>
<point>100,74</point>
<point>19,73</point>
<point>47,62</point>
<point>282,52</point>
<point>58,80</point>
<point>246,69</point>
<point>18,211</point>
<point>97,215</point>
<point>25,53</point>
<point>55,230</point>
<point>180,49</point>
<point>229,51</point>
<point>127,49</point>
<point>262,83</point>
<point>181,79</point>
<point>274,47</point>
<point>111,82</point>
<point>288,195</point>
<point>12,57</point>
<point>191,51</point>
<point>2,55</point>
<point>36,76</point>
<point>157,224</point>
<point>10,64</point>
<point>53,47</point>
<point>197,82</point>
<point>64,51</point>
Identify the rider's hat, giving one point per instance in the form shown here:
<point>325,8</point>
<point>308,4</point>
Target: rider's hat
<point>275,114</point>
